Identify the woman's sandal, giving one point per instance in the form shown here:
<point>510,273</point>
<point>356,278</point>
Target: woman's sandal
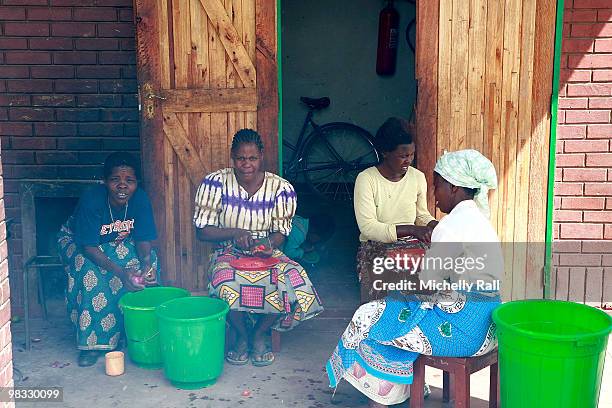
<point>238,356</point>
<point>261,357</point>
<point>87,358</point>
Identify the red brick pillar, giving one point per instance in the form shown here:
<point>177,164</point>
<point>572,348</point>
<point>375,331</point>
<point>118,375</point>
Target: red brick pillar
<point>583,178</point>
<point>6,354</point>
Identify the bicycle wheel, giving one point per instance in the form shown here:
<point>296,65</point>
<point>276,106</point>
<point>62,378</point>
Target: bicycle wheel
<point>334,155</point>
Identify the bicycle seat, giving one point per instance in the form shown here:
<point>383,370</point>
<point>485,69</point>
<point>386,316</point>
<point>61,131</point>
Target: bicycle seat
<point>315,103</point>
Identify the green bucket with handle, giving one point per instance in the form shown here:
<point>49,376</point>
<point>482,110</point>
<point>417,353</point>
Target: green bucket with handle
<point>551,353</point>
<point>141,328</point>
<point>192,333</point>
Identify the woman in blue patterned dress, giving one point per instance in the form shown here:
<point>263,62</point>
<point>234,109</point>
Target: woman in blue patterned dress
<point>106,249</point>
<point>240,208</point>
<point>377,350</point>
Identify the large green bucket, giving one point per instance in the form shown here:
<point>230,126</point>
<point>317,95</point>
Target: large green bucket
<point>192,332</point>
<point>551,353</point>
<point>141,323</point>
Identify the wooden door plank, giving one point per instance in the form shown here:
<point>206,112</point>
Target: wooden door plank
<point>236,118</point>
<point>249,18</point>
<point>232,78</point>
<point>164,43</point>
<point>266,120</point>
<point>523,272</point>
<point>211,100</point>
<point>199,42</point>
<point>477,36</point>
<point>510,94</point>
<point>444,77</point>
<point>218,121</point>
<point>231,42</point>
<point>186,229</point>
<point>175,126</point>
<point>540,135</point>
<point>428,20</point>
<point>199,125</point>
<point>152,66</point>
<point>459,74</point>
<point>239,117</point>
<point>169,164</point>
<point>182,42</point>
<point>184,149</point>
<point>493,106</point>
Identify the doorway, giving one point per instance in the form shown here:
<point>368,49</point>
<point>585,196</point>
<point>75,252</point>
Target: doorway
<point>328,48</point>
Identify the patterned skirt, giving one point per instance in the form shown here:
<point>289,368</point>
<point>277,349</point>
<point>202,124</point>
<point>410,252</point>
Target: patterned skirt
<point>378,348</point>
<point>284,289</point>
<point>93,293</point>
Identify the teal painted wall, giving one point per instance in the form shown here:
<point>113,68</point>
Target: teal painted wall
<point>329,49</point>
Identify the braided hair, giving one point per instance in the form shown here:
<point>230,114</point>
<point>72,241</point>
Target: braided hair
<point>245,136</point>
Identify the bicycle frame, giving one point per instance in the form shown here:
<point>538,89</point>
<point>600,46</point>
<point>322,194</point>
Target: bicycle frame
<point>292,167</point>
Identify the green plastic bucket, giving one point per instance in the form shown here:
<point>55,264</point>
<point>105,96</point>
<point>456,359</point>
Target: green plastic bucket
<point>141,323</point>
<point>551,353</point>
<point>192,333</point>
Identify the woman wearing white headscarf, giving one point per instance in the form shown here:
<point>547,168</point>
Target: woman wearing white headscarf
<point>377,350</point>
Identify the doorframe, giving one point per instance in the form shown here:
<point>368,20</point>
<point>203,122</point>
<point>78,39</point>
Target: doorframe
<point>279,67</point>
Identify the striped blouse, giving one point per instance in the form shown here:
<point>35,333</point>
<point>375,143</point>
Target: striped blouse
<point>221,202</point>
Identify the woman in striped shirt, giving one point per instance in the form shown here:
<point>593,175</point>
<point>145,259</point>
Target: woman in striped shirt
<point>240,208</point>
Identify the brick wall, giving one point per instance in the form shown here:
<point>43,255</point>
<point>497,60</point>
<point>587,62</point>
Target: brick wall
<point>583,178</point>
<point>6,350</point>
<point>67,94</point>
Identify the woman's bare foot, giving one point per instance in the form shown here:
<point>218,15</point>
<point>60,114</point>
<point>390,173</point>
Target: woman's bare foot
<point>261,355</point>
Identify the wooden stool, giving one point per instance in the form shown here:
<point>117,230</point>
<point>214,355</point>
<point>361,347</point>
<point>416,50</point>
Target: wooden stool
<point>461,368</point>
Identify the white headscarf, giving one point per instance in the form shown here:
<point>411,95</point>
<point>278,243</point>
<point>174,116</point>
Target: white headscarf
<point>469,168</point>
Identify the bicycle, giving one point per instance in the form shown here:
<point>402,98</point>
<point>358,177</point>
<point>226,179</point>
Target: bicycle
<point>330,156</point>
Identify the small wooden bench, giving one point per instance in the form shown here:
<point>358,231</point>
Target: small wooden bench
<point>461,368</point>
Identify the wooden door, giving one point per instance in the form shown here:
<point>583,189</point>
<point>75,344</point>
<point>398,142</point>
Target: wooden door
<point>206,68</point>
<point>484,70</point>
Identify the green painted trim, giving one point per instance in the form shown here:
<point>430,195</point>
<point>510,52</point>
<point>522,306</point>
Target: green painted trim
<point>554,104</point>
<point>279,67</point>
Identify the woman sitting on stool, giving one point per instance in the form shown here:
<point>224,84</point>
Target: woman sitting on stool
<point>106,249</point>
<point>241,208</point>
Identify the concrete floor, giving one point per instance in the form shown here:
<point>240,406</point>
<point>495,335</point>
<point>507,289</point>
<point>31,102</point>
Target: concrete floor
<point>296,379</point>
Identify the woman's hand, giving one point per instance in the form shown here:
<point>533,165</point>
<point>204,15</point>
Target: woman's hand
<point>242,239</point>
<point>132,279</point>
<point>149,275</point>
<point>262,251</point>
<point>421,233</point>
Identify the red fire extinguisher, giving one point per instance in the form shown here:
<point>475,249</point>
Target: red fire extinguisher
<point>388,30</point>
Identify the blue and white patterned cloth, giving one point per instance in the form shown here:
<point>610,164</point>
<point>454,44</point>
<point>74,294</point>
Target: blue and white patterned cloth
<point>386,336</point>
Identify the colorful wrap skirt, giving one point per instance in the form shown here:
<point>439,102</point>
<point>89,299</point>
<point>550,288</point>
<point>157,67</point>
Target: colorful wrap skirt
<point>93,293</point>
<point>284,289</point>
<point>378,348</point>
